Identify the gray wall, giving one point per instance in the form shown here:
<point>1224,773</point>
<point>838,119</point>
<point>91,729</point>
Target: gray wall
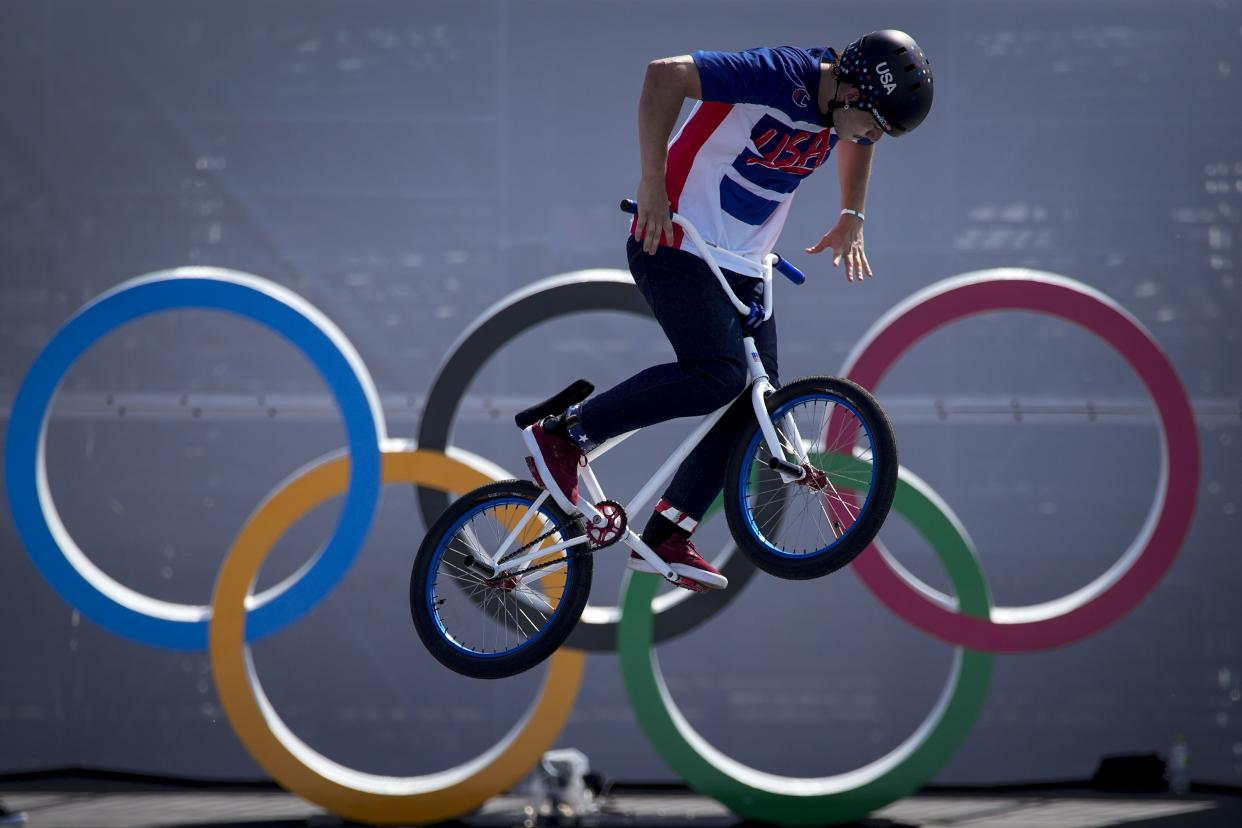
<point>405,165</point>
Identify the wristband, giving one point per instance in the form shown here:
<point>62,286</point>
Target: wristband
<point>848,212</point>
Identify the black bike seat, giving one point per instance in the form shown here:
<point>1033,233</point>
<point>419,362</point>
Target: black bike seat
<point>574,393</point>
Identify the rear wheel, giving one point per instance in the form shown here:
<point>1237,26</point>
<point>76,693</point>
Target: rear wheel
<point>836,432</point>
<point>487,627</point>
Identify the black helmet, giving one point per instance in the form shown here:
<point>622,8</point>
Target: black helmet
<point>893,77</point>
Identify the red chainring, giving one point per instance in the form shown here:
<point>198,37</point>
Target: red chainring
<point>613,527</point>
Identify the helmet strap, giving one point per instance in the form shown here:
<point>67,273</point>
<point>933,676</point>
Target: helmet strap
<point>833,103</point>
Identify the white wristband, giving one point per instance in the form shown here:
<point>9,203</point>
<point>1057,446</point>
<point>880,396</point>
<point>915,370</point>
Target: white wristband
<point>848,212</point>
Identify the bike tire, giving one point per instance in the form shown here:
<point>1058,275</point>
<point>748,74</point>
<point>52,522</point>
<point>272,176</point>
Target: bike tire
<point>425,589</point>
<point>745,510</point>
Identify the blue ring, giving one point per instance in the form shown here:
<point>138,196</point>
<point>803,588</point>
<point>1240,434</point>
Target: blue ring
<point>212,289</point>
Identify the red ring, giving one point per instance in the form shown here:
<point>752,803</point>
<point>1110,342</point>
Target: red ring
<point>1111,595</point>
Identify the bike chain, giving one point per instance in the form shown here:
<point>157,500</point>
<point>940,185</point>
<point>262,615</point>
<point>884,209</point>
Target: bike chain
<point>522,549</point>
<point>571,555</point>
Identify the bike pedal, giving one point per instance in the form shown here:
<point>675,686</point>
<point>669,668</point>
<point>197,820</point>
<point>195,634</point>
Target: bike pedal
<point>687,583</point>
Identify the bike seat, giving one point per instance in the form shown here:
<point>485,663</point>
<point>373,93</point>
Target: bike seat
<point>574,393</point>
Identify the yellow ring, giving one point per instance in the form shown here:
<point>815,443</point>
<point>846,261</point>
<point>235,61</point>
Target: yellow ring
<point>292,763</point>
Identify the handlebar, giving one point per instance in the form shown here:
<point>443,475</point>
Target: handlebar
<point>792,273</point>
<point>629,205</point>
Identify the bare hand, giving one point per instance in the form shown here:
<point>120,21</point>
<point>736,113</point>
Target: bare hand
<point>653,219</point>
<point>846,241</point>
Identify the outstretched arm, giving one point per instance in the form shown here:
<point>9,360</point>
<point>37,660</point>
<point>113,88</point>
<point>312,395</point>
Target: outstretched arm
<point>668,83</point>
<point>846,237</point>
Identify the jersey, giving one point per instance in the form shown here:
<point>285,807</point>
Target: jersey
<point>756,134</point>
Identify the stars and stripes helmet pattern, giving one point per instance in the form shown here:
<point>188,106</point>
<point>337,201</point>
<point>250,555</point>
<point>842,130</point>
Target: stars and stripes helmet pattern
<point>893,77</point>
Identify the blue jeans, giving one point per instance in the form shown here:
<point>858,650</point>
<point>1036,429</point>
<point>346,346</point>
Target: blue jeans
<point>706,334</point>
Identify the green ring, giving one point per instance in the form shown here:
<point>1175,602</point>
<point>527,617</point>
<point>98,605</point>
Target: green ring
<point>845,797</point>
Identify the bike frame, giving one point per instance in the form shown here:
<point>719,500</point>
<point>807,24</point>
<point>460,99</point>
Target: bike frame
<point>758,387</point>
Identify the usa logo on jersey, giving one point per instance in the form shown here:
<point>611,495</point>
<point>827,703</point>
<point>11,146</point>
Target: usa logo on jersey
<point>785,149</point>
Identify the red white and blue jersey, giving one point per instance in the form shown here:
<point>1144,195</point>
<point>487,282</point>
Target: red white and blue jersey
<point>747,145</point>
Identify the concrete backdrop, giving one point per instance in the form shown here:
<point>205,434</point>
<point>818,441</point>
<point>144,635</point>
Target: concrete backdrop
<point>404,165</point>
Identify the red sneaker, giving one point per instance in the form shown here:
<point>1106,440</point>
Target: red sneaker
<point>679,553</point>
<point>554,464</point>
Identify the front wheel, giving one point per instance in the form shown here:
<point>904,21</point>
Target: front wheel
<point>839,437</point>
<point>493,627</point>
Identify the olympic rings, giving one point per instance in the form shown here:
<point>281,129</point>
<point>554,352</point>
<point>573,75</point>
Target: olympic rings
<point>296,766</point>
<point>1113,594</point>
<point>583,290</point>
<point>845,797</point>
<point>70,572</point>
<point>978,631</point>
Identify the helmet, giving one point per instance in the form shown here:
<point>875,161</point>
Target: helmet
<point>893,77</point>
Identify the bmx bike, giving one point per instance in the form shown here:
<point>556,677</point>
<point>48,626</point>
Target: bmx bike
<point>502,576</point>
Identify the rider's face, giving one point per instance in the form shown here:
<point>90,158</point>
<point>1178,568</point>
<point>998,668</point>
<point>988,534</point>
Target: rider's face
<point>857,124</point>
<point>854,124</point>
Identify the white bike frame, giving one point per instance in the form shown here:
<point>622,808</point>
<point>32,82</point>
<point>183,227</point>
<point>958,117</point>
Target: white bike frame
<point>759,387</point>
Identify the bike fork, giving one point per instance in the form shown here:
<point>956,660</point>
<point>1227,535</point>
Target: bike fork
<point>760,388</point>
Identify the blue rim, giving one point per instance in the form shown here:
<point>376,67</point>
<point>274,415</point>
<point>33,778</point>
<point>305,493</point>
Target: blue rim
<point>751,450</point>
<point>442,547</point>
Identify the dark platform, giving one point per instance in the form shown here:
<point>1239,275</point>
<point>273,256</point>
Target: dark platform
<point>116,803</point>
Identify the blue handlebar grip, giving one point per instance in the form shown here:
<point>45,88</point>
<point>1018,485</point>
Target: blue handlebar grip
<point>796,276</point>
<point>629,205</point>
